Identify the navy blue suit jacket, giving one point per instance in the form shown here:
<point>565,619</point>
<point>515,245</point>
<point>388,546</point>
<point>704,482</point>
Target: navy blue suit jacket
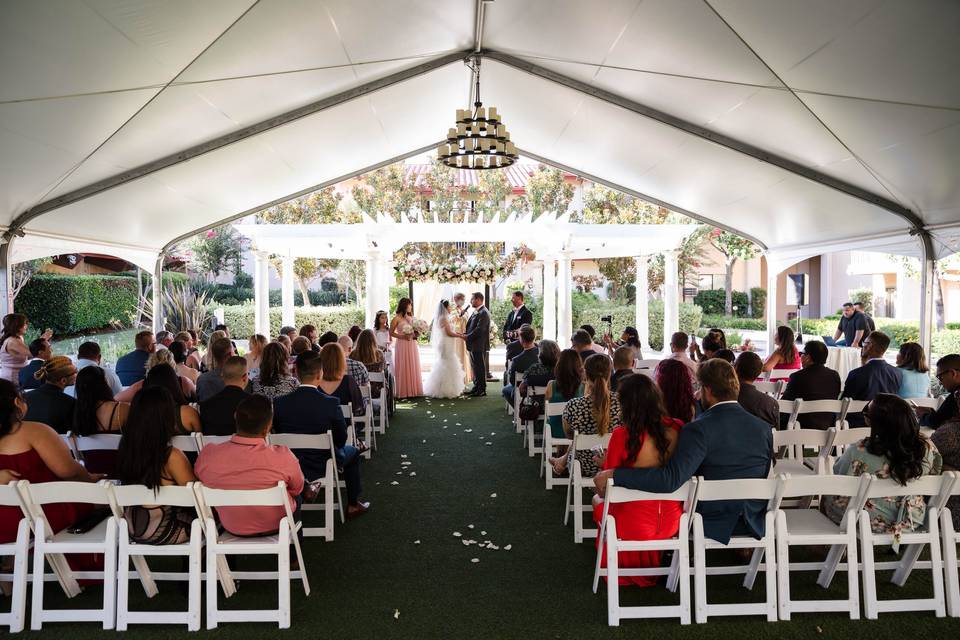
<point>309,410</point>
<point>864,383</point>
<point>724,443</point>
<point>132,367</point>
<point>27,381</point>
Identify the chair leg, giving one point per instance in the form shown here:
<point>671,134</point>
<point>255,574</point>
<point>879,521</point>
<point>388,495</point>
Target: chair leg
<point>195,570</point>
<point>577,510</point>
<point>699,570</point>
<point>36,609</point>
<point>952,586</point>
<point>869,576</point>
<point>123,584</point>
<point>771,572</point>
<point>613,576</point>
<point>601,541</point>
<point>783,567</point>
<point>936,566</point>
<point>830,565</point>
<point>211,576</point>
<point>907,562</point>
<point>110,576</point>
<point>283,569</point>
<point>853,585</point>
<point>683,575</point>
<point>18,601</point>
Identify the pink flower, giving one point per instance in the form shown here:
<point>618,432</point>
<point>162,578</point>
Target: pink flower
<point>211,234</point>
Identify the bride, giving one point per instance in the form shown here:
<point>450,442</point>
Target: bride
<point>446,375</point>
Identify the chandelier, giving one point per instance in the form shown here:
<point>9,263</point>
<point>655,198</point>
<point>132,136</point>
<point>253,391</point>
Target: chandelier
<point>480,140</point>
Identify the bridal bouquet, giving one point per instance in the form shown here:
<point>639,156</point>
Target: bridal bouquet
<point>421,326</point>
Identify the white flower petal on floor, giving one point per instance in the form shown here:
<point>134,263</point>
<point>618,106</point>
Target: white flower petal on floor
<point>394,482</point>
<point>493,495</point>
<point>396,614</point>
<point>457,534</point>
<point>475,560</point>
<point>488,443</point>
<point>483,533</point>
<point>508,547</point>
<point>469,526</point>
<point>413,473</point>
<point>416,542</point>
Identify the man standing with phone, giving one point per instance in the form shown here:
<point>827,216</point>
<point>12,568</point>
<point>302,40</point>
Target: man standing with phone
<point>477,336</point>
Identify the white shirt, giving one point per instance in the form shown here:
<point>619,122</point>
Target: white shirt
<point>112,379</point>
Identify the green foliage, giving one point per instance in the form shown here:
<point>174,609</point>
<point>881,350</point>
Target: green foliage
<point>243,280</point>
<point>944,343</point>
<point>719,321</point>
<point>712,301</point>
<point>899,332</point>
<point>397,292</point>
<point>500,309</point>
<point>338,319</point>
<point>69,304</point>
<point>21,273</point>
<point>217,250</point>
<point>863,296</point>
<point>952,325</point>
<point>185,308</point>
<point>758,301</point>
<point>547,191</point>
<point>625,316</point>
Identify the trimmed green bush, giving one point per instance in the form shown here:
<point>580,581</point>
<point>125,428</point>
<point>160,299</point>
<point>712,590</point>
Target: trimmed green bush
<point>337,319</point>
<point>70,304</point>
<point>726,322</point>
<point>758,302</point>
<point>944,343</point>
<point>863,296</point>
<point>625,315</point>
<point>899,331</point>
<point>712,301</point>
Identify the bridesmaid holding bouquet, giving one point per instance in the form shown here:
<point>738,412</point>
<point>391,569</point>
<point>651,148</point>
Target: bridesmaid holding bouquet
<point>406,355</point>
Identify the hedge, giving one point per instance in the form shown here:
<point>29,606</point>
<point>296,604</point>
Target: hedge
<point>709,321</point>
<point>70,304</point>
<point>713,301</point>
<point>944,343</point>
<point>625,315</point>
<point>758,302</point>
<point>239,318</point>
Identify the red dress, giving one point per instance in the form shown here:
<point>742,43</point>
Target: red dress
<point>642,520</point>
<point>31,467</point>
<point>785,367</point>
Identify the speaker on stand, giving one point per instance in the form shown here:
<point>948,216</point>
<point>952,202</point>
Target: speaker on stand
<point>798,291</point>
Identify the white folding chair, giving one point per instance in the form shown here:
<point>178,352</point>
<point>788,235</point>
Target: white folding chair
<point>347,411</point>
<point>530,426</point>
<point>679,571</point>
<point>515,409</point>
<point>101,539</point>
<point>843,438</point>
<point>768,489</point>
<point>220,545</point>
<point>809,527</point>
<point>799,406</point>
<point>187,444</point>
<point>203,440</point>
<point>950,538</point>
<point>793,443</point>
<point>20,550</point>
<point>97,442</point>
<point>379,404</point>
<point>329,482</point>
<point>929,403</point>
<point>139,495</point>
<point>930,486</point>
<point>550,443</point>
<point>577,484</point>
<point>68,440</point>
<point>364,423</point>
<point>773,389</point>
<point>852,406</point>
<point>646,364</point>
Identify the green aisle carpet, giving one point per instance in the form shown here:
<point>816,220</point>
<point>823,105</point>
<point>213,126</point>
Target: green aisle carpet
<point>400,572</point>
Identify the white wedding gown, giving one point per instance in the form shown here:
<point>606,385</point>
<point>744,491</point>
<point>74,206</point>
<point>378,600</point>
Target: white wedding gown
<point>446,375</point>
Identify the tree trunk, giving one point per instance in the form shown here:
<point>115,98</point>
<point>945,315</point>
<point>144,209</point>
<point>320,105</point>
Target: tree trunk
<point>728,285</point>
<point>302,285</point>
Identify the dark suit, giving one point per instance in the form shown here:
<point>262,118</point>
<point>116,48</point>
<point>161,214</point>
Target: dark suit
<point>864,383</point>
<point>309,410</point>
<point>27,381</point>
<point>759,404</point>
<point>520,363</point>
<point>816,382</point>
<point>724,443</point>
<point>217,412</point>
<point>51,406</point>
<point>478,344</point>
<point>132,367</point>
<point>516,319</point>
<point>948,411</point>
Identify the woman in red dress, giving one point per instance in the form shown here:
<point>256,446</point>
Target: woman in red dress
<point>646,439</point>
<point>786,358</point>
<point>33,451</point>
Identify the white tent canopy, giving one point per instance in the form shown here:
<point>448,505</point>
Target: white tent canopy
<point>799,125</point>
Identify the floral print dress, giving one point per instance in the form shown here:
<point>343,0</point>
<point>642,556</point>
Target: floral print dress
<point>578,416</point>
<point>887,515</point>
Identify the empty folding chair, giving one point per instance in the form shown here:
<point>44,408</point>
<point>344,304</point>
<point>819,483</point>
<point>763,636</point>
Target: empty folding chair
<point>929,403</point>
<point>550,443</point>
<point>101,539</point>
<point>20,550</point>
<point>809,527</point>
<point>577,483</point>
<point>746,489</point>
<point>929,534</point>
<point>364,423</point>
<point>329,483</point>
<point>379,403</point>
<point>278,544</point>
<point>174,496</point>
<point>679,571</point>
<point>800,406</point>
<point>98,452</point>
<point>851,407</point>
<point>791,445</point>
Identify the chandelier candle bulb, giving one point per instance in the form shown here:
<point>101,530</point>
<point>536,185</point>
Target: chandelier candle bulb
<point>481,114</point>
<point>461,129</point>
<point>451,133</point>
<point>492,114</point>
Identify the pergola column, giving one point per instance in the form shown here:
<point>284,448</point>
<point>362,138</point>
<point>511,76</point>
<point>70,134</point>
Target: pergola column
<point>370,303</point>
<point>376,270</point>
<point>564,301</point>
<point>261,293</point>
<point>159,322</point>
<point>641,302</point>
<point>288,315</point>
<point>771,311</point>
<point>549,299</point>
<point>671,297</point>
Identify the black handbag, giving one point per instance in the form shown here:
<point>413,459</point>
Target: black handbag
<point>532,408</point>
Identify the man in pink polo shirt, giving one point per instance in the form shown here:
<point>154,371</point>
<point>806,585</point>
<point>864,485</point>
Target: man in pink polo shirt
<point>246,462</point>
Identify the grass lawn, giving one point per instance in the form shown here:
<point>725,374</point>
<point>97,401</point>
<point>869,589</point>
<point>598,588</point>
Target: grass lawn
<point>403,557</point>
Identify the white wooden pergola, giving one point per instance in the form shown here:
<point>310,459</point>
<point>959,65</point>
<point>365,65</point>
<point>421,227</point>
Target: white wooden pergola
<point>556,241</point>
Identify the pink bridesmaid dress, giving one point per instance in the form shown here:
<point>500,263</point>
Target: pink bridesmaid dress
<point>406,359</point>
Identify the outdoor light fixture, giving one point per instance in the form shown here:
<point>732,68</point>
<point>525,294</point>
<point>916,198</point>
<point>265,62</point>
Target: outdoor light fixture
<point>480,140</point>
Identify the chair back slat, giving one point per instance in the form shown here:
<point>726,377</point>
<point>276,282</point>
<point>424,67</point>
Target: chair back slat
<point>302,440</point>
<point>376,377</point>
<point>847,437</point>
<point>271,497</point>
<point>554,409</point>
<point>98,442</point>
<point>889,488</point>
<point>347,410</point>
<point>208,440</point>
<point>741,489</point>
<point>9,496</point>
<point>646,364</point>
<point>65,491</point>
<point>139,495</point>
<point>929,403</point>
<point>187,444</point>
<point>797,486</point>
<point>820,406</point>
<point>615,494</point>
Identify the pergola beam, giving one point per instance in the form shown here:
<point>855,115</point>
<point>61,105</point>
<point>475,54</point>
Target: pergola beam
<point>706,134</point>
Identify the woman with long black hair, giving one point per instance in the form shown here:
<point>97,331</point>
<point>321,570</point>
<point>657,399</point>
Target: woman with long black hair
<point>146,457</point>
<point>164,376</point>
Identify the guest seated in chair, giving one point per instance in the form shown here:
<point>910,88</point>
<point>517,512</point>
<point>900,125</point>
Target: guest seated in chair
<point>246,461</point>
<point>216,413</point>
<point>912,363</point>
<point>41,352</point>
<point>760,404</point>
<point>211,382</point>
<point>541,372</point>
<point>813,382</point>
<point>132,367</point>
<point>724,443</point>
<point>874,377</point>
<point>274,379</point>
<point>522,361</point>
<point>623,359</point>
<point>675,384</point>
<point>49,404</point>
<point>310,410</point>
<point>566,385</point>
<point>786,357</point>
<point>646,439</point>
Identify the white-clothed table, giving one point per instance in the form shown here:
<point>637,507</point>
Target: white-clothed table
<point>843,360</point>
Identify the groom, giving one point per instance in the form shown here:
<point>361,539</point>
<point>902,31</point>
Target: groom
<point>477,336</point>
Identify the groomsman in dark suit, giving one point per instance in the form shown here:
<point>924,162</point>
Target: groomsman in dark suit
<point>515,319</point>
<point>477,336</point>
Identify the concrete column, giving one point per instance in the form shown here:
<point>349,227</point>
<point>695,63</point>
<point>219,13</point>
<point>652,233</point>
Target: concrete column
<point>564,301</point>
<point>384,278</point>
<point>261,293</point>
<point>642,293</point>
<point>549,299</point>
<point>159,321</point>
<point>288,315</point>
<point>671,297</point>
<point>771,311</point>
